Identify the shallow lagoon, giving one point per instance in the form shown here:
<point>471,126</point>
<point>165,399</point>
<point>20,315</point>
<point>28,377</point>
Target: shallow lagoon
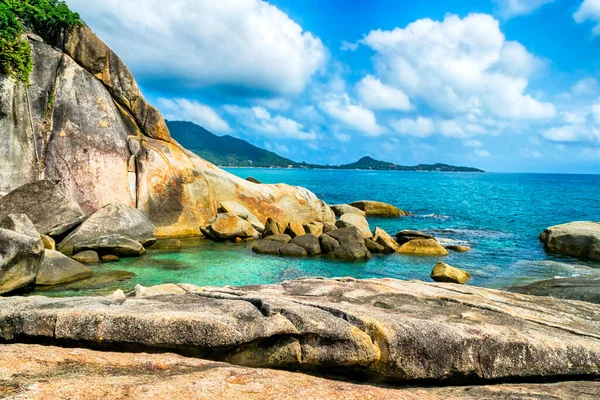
<point>499,215</point>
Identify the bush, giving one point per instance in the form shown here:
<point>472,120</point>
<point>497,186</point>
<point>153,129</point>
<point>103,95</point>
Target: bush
<point>43,17</point>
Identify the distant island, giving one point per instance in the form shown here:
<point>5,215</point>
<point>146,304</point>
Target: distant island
<point>228,151</point>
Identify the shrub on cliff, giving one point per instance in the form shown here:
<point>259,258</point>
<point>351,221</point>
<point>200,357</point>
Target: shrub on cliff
<point>43,17</point>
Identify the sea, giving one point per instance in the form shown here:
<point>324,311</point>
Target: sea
<point>500,216</point>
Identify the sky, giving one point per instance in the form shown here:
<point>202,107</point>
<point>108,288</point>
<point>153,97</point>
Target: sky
<point>502,85</point>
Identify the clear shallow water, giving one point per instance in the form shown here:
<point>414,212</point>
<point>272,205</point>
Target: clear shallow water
<point>499,215</point>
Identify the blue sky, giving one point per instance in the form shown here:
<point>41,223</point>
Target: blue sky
<point>503,85</point>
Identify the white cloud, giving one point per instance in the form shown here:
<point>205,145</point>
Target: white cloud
<point>378,96</point>
<point>196,43</point>
<point>257,120</point>
<point>582,126</point>
<point>473,143</point>
<point>354,116</point>
<point>481,153</point>
<point>585,87</point>
<point>421,127</point>
<point>425,126</point>
<point>186,110</point>
<point>348,46</point>
<point>459,66</point>
<point>513,8</point>
<point>589,10</point>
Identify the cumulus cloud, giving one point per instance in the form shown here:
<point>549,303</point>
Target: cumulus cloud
<point>420,127</point>
<point>473,143</point>
<point>257,120</point>
<point>426,126</point>
<point>377,96</point>
<point>459,66</point>
<point>348,46</point>
<point>589,10</point>
<point>585,87</point>
<point>191,110</point>
<point>481,153</point>
<point>578,127</point>
<point>246,44</point>
<point>354,116</point>
<point>513,8</point>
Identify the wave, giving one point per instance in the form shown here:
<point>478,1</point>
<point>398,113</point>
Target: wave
<point>472,233</point>
<point>432,216</point>
<point>451,242</point>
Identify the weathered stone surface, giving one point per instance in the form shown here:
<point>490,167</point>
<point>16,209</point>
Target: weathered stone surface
<point>385,330</point>
<point>21,253</point>
<point>408,235</point>
<point>117,245</point>
<point>314,228</point>
<point>423,247</point>
<point>356,220</point>
<point>108,258</point>
<point>46,205</point>
<point>230,227</point>
<point>384,239</point>
<point>578,239</point>
<point>458,248</point>
<point>272,227</point>
<point>232,207</point>
<point>253,180</point>
<point>308,242</point>
<point>341,209</point>
<point>87,257</point>
<point>351,252</point>
<point>347,235</point>
<point>267,247</point>
<point>167,244</point>
<point>112,219</point>
<point>48,372</point>
<point>49,243</point>
<point>168,288</point>
<point>101,282</point>
<point>583,288</point>
<point>329,226</point>
<point>374,247</point>
<point>56,268</point>
<point>328,244</point>
<point>295,228</point>
<point>379,209</point>
<point>443,272</point>
<point>283,238</point>
<point>292,250</point>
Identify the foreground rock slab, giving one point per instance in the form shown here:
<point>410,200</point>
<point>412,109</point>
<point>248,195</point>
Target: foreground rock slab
<point>376,330</point>
<point>582,288</point>
<point>47,372</point>
<point>578,239</point>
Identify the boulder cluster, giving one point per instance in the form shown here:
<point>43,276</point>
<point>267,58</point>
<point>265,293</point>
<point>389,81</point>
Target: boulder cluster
<point>46,238</point>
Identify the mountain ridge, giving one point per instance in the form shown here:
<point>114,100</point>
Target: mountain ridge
<point>229,151</point>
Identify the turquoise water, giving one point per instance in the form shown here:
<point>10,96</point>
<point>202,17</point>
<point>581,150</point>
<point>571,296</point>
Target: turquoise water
<point>499,215</point>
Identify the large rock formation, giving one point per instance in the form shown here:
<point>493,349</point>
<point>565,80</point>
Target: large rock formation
<point>582,288</point>
<point>379,330</point>
<point>578,239</point>
<point>83,121</point>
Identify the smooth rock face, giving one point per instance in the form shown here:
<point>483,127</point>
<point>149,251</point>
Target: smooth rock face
<point>458,248</point>
<point>230,227</point>
<point>235,208</point>
<point>58,268</point>
<point>21,253</point>
<point>577,239</point>
<point>341,209</point>
<point>283,238</point>
<point>308,242</point>
<point>582,288</point>
<point>270,247</point>
<point>423,247</point>
<point>383,330</point>
<point>118,245</point>
<point>443,272</point>
<point>374,247</point>
<point>347,235</point>
<point>408,235</point>
<point>328,244</point>
<point>292,250</point>
<point>46,205</point>
<point>357,220</point>
<point>295,228</point>
<point>168,288</point>
<point>351,252</point>
<point>314,228</point>
<point>379,209</point>
<point>384,239</point>
<point>87,257</point>
<point>112,219</point>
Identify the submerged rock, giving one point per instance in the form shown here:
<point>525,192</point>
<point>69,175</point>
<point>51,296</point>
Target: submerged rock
<point>58,268</point>
<point>21,253</point>
<point>112,219</point>
<point>44,202</point>
<point>379,209</point>
<point>582,288</point>
<point>577,239</point>
<point>87,257</point>
<point>341,209</point>
<point>108,258</point>
<point>167,244</point>
<point>383,330</point>
<point>443,272</point>
<point>112,244</point>
<point>423,247</point>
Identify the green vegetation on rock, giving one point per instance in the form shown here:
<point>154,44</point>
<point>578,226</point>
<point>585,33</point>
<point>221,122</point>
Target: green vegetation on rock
<point>17,17</point>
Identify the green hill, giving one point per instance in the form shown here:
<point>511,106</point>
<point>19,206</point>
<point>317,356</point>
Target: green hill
<point>224,150</point>
<point>233,152</point>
